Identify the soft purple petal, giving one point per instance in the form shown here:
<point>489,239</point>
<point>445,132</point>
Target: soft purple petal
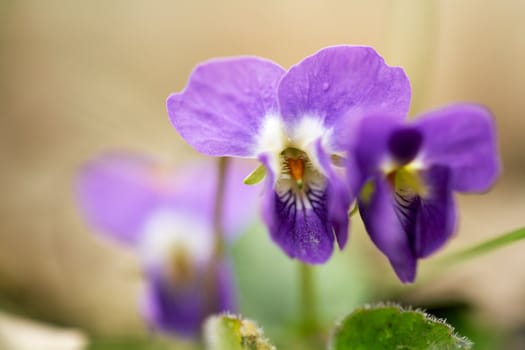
<point>117,192</point>
<point>222,108</point>
<point>174,311</point>
<point>226,288</point>
<point>404,144</point>
<point>369,149</point>
<point>379,140</point>
<point>181,309</point>
<point>343,82</point>
<point>371,146</point>
<point>240,201</point>
<point>386,231</point>
<point>436,213</point>
<point>406,225</point>
<point>302,232</point>
<point>338,198</point>
<point>463,138</point>
<point>197,190</point>
<point>268,197</point>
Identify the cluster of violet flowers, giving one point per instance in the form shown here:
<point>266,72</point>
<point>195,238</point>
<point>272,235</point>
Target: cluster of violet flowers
<point>331,131</point>
<point>331,135</point>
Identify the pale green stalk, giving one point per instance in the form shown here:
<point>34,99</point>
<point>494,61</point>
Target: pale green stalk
<point>308,300</point>
<point>485,247</point>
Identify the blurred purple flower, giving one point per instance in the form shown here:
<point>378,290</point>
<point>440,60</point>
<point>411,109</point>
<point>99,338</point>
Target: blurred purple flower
<point>292,122</point>
<point>406,174</point>
<point>167,217</point>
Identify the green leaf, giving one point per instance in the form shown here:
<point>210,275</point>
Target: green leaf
<point>256,176</point>
<point>487,246</point>
<point>390,327</point>
<point>229,332</point>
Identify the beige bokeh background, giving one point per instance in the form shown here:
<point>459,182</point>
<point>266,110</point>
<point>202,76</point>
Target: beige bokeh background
<point>81,77</point>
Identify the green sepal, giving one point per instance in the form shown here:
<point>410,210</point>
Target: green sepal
<point>256,176</point>
<point>386,327</point>
<point>354,211</point>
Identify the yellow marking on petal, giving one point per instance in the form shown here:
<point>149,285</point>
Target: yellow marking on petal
<point>367,192</point>
<point>407,177</point>
<point>338,160</point>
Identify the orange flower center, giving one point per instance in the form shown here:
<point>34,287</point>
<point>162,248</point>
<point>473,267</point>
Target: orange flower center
<point>296,166</point>
<point>391,177</point>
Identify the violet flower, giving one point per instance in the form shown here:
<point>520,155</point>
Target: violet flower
<point>408,172</point>
<point>292,122</point>
<point>167,217</point>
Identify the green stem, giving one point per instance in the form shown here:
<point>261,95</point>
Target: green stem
<point>308,299</point>
<point>218,239</point>
<point>217,215</point>
<point>486,247</point>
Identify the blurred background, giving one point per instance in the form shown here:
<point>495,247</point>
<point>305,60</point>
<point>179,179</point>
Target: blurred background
<point>79,78</point>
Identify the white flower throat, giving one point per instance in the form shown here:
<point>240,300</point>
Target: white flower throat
<point>299,183</point>
<point>176,243</point>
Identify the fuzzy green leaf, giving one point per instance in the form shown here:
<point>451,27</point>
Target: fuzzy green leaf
<point>391,327</point>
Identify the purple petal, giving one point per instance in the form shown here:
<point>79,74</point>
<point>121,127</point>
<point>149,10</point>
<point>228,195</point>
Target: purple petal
<point>302,232</point>
<point>268,197</point>
<point>222,108</point>
<point>386,231</point>
<point>181,309</point>
<point>197,189</point>
<point>226,292</point>
<point>380,140</point>
<point>463,138</point>
<point>240,201</point>
<point>338,198</point>
<point>370,148</point>
<point>404,144</point>
<point>371,145</point>
<point>117,192</point>
<point>343,81</point>
<point>173,311</point>
<point>436,212</point>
